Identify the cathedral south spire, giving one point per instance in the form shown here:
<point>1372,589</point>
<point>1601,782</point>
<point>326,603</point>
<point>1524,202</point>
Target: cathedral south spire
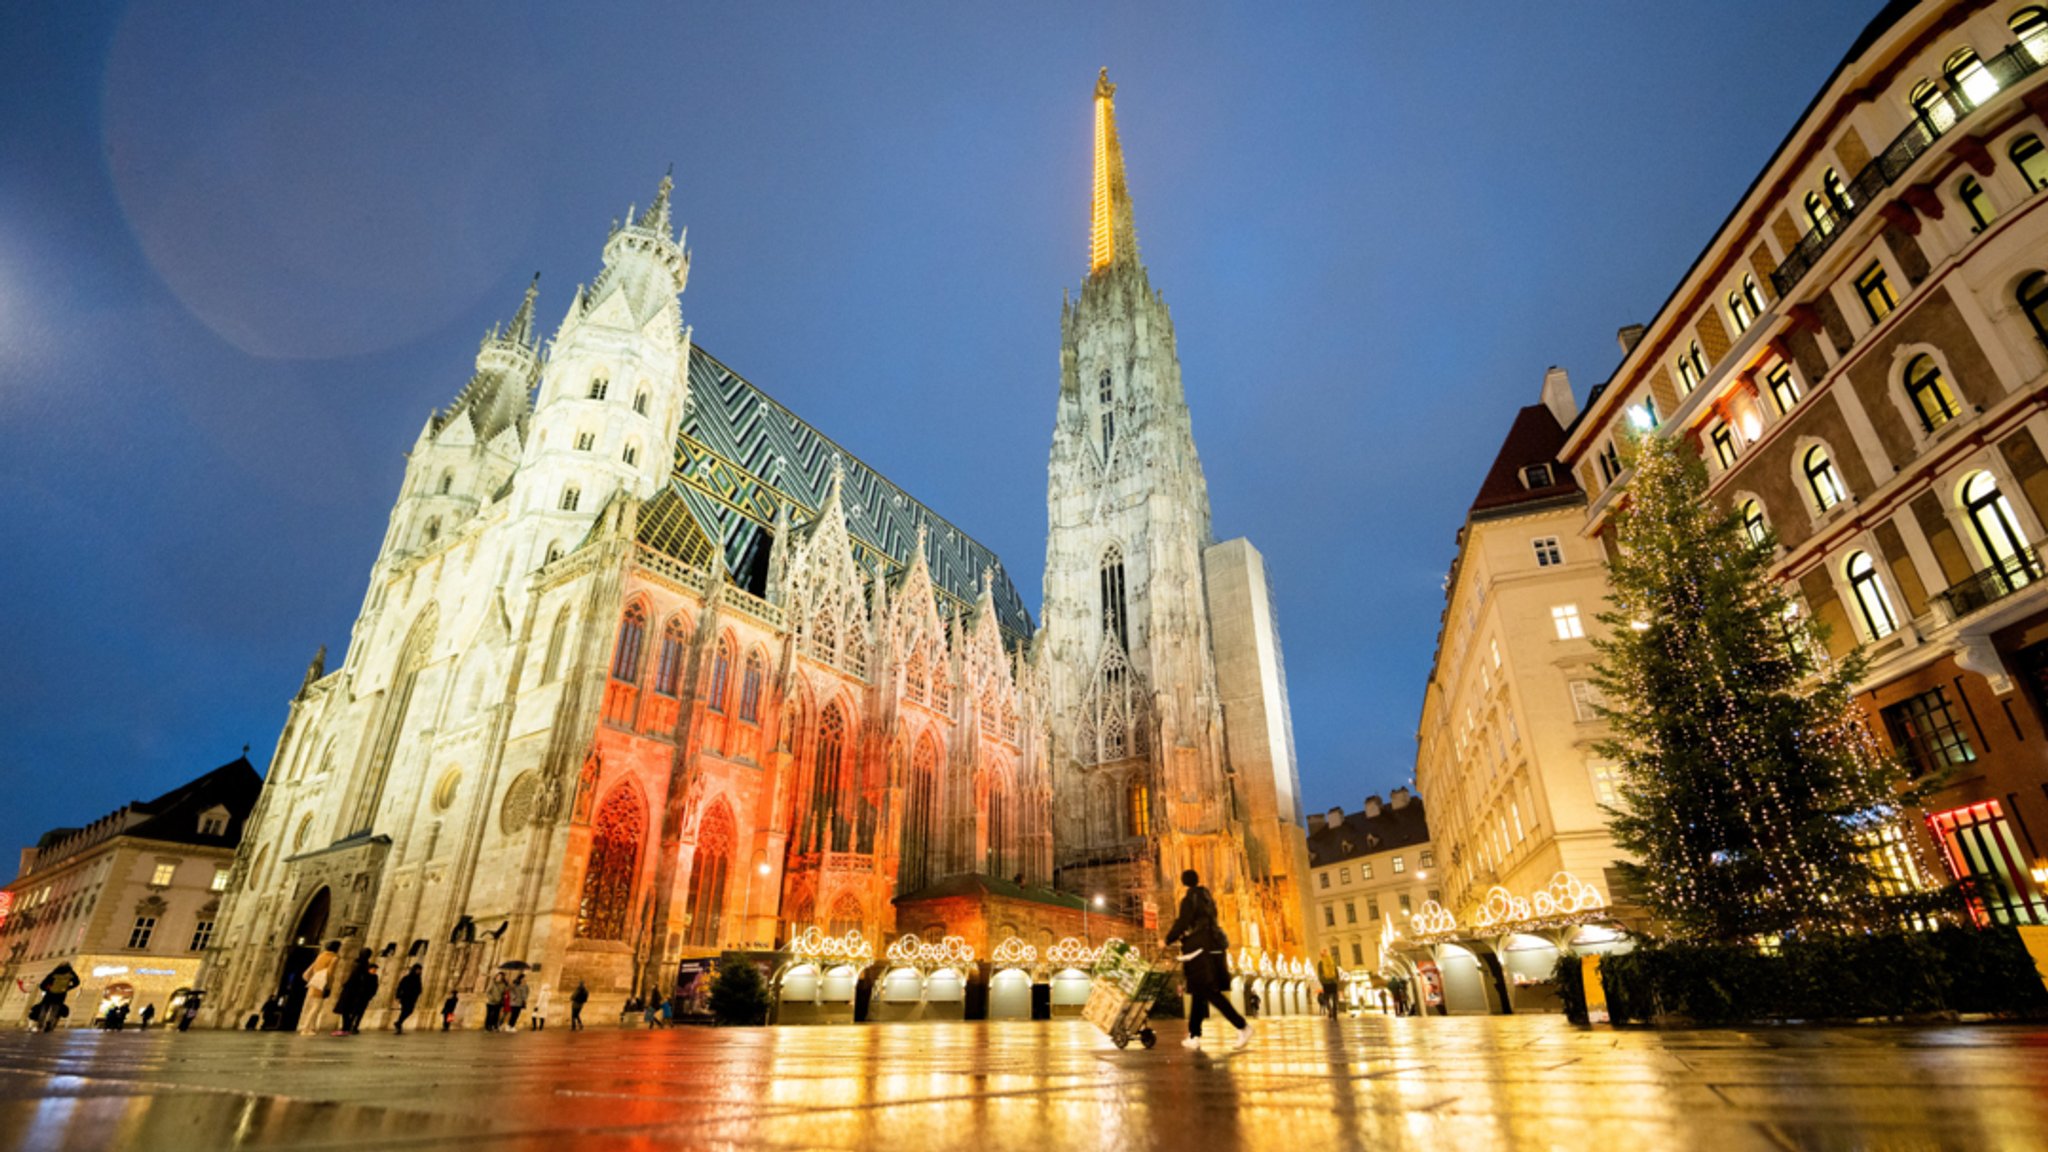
<point>1112,236</point>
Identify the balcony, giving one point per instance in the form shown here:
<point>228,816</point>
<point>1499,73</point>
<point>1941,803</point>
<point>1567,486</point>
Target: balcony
<point>1983,588</point>
<point>2003,71</point>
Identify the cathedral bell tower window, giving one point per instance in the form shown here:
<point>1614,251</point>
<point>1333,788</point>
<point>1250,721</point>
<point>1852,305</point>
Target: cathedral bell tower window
<point>640,403</point>
<point>571,495</point>
<point>1107,394</point>
<point>1115,616</point>
<point>598,387</point>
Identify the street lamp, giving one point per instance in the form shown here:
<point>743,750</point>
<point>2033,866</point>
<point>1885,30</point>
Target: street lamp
<point>747,904</point>
<point>1095,901</point>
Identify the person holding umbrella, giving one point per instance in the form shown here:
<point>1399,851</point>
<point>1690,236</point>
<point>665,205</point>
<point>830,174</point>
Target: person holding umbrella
<point>55,987</point>
<point>496,993</point>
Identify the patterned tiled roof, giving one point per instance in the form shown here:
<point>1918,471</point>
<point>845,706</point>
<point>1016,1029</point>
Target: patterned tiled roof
<point>739,453</point>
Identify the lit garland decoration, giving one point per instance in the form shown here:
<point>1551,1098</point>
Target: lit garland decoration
<point>1072,953</point>
<point>1501,908</point>
<point>952,952</point>
<point>1566,895</point>
<point>852,948</point>
<point>1432,919</point>
<point>1013,953</point>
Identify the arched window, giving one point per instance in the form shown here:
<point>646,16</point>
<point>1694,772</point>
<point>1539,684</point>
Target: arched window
<point>2030,25</point>
<point>917,677</point>
<point>846,916</point>
<point>721,676</point>
<point>1817,211</point>
<point>921,819</point>
<point>709,876</point>
<point>826,830</point>
<point>1821,480</point>
<point>447,482</point>
<point>675,647</point>
<point>1967,74</point>
<point>1752,295</point>
<point>1688,378</point>
<point>998,827</point>
<point>1932,106</point>
<point>571,496</point>
<point>1872,600</point>
<point>1838,196</point>
<point>1975,202</point>
<point>750,687</point>
<point>551,664</point>
<point>616,832</point>
<point>2033,300</point>
<point>2032,161</point>
<point>598,387</point>
<point>1998,531</point>
<point>1106,393</point>
<point>1929,393</point>
<point>640,402</point>
<point>1740,312</point>
<point>626,654</point>
<point>433,529</point>
<point>1140,799</point>
<point>1784,389</point>
<point>1115,614</point>
<point>631,455</point>
<point>553,553</point>
<point>1753,521</point>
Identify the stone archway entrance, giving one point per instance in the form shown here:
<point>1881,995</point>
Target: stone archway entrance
<point>299,951</point>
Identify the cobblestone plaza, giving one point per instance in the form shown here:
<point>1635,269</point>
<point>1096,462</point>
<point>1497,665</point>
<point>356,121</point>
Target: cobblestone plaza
<point>1464,1083</point>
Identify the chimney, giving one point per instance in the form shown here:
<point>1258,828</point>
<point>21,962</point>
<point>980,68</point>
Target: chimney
<point>1557,396</point>
<point>1372,806</point>
<point>1399,799</point>
<point>1630,336</point>
<point>1334,818</point>
<point>28,861</point>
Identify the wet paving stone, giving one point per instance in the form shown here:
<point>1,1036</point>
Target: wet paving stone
<point>1470,1084</point>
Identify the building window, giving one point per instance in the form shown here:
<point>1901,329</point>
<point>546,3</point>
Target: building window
<point>1323,878</point>
<point>1428,858</point>
<point>1784,389</point>
<point>640,402</point>
<point>1998,532</point>
<point>1407,906</point>
<point>1357,957</point>
<point>1871,599</point>
<point>1548,553</point>
<point>1585,701</point>
<point>213,824</point>
<point>1924,728</point>
<point>1400,865</point>
<point>1978,846</point>
<point>447,482</point>
<point>1689,376</point>
<point>598,387</point>
<point>1350,912</point>
<point>1106,393</point>
<point>138,936</point>
<point>1565,618</point>
<point>585,441</point>
<point>1818,214</point>
<point>571,496</point>
<point>1115,612</point>
<point>1874,288</point>
<point>1821,480</point>
<point>1932,106</point>
<point>1752,296</point>
<point>604,911</point>
<point>1372,909</point>
<point>1976,202</point>
<point>1610,464</point>
<point>1739,311</point>
<point>1929,393</point>
<point>1753,522</point>
<point>626,656</point>
<point>1838,196</point>
<point>632,455</point>
<point>220,880</point>
<point>1724,445</point>
<point>1329,916</point>
<point>202,935</point>
<point>750,688</point>
<point>1365,870</point>
<point>1344,876</point>
<point>1967,74</point>
<point>668,666</point>
<point>1537,476</point>
<point>2033,298</point>
<point>161,878</point>
<point>721,674</point>
<point>2030,25</point>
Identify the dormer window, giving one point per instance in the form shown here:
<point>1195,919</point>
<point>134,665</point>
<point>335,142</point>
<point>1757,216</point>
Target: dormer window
<point>1537,476</point>
<point>214,821</point>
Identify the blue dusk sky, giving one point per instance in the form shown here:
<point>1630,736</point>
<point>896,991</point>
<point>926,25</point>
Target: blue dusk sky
<point>246,248</point>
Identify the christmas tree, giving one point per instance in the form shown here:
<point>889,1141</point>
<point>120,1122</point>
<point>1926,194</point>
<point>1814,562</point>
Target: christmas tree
<point>1750,791</point>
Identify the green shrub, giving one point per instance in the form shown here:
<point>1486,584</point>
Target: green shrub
<point>739,995</point>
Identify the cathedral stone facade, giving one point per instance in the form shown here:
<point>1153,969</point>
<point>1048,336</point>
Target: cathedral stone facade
<point>649,668</point>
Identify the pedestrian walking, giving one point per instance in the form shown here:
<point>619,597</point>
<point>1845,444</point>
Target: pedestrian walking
<point>496,993</point>
<point>50,1010</point>
<point>319,975</point>
<point>356,994</point>
<point>190,1011</point>
<point>515,1002</point>
<point>148,1014</point>
<point>410,986</point>
<point>1202,949</point>
<point>1326,974</point>
<point>448,1008</point>
<point>577,1000</point>
<point>653,1010</point>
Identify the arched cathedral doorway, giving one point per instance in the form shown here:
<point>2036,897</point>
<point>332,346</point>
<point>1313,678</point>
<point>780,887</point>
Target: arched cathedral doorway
<point>299,951</point>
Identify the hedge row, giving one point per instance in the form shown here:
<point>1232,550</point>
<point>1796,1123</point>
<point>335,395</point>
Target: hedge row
<point>1848,978</point>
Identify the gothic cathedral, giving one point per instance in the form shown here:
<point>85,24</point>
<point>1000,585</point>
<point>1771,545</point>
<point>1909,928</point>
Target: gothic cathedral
<point>650,668</point>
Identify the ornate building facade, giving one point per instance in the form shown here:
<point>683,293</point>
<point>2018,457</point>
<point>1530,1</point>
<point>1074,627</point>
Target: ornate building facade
<point>649,668</point>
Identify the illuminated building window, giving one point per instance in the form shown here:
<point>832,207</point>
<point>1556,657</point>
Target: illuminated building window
<point>1967,74</point>
<point>1548,553</point>
<point>598,386</point>
<point>1689,376</point>
<point>1892,866</point>
<point>1978,846</point>
<point>2030,25</point>
<point>1344,876</point>
<point>1752,296</point>
<point>1976,202</point>
<point>626,655</point>
<point>571,496</point>
<point>1400,865</point>
<point>1585,701</point>
<point>1838,196</point>
<point>1932,106</point>
<point>1992,521</point>
<point>1428,858</point>
<point>2032,161</point>
<point>750,687</point>
<point>1924,728</point>
<point>1874,288</point>
<point>1929,393</point>
<point>1872,601</point>
<point>1817,212</point>
<point>220,880</point>
<point>825,827</point>
<point>163,875</point>
<point>1565,618</point>
<point>202,935</point>
<point>1724,444</point>
<point>1372,909</point>
<point>2033,301</point>
<point>710,871</point>
<point>604,911</point>
<point>1784,389</point>
<point>668,667</point>
<point>921,819</point>
<point>1140,800</point>
<point>1740,312</point>
<point>138,936</point>
<point>1821,480</point>
<point>1753,521</point>
<point>1364,872</point>
<point>1644,415</point>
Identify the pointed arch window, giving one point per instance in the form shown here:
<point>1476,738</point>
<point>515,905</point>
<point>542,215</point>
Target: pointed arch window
<point>1140,807</point>
<point>598,387</point>
<point>921,819</point>
<point>710,873</point>
<point>551,665</point>
<point>1930,394</point>
<point>1753,522</point>
<point>1105,392</point>
<point>433,529</point>
<point>447,482</point>
<point>1115,610</point>
<point>721,676</point>
<point>2032,160</point>
<point>626,654</point>
<point>1821,479</point>
<point>571,496</point>
<point>616,834</point>
<point>675,646</point>
<point>1872,601</point>
<point>998,827</point>
<point>750,687</point>
<point>826,830</point>
<point>640,402</point>
<point>1998,533</point>
<point>2033,300</point>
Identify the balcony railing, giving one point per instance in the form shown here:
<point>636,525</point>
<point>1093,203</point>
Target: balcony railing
<point>1986,587</point>
<point>2004,70</point>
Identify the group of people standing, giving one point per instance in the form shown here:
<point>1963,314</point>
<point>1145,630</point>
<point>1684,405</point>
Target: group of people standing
<point>506,997</point>
<point>51,1010</point>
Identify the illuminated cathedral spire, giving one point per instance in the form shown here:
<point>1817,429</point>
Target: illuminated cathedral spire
<point>1112,235</point>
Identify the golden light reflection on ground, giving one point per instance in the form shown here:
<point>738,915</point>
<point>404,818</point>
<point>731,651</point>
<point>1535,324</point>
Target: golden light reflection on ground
<point>1468,1083</point>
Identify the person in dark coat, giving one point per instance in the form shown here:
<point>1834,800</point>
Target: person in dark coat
<point>448,1008</point>
<point>356,994</point>
<point>148,1014</point>
<point>410,986</point>
<point>50,1010</point>
<point>577,1000</point>
<point>1202,949</point>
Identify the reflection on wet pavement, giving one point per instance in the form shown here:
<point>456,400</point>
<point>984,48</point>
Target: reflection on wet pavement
<point>1468,1084</point>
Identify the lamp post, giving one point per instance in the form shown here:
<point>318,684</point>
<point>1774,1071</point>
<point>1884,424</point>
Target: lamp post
<point>747,906</point>
<point>1095,901</point>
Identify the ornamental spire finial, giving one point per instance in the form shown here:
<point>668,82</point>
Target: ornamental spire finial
<point>656,216</point>
<point>1112,235</point>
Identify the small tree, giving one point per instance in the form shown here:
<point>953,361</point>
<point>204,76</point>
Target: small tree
<point>1750,787</point>
<point>739,995</point>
